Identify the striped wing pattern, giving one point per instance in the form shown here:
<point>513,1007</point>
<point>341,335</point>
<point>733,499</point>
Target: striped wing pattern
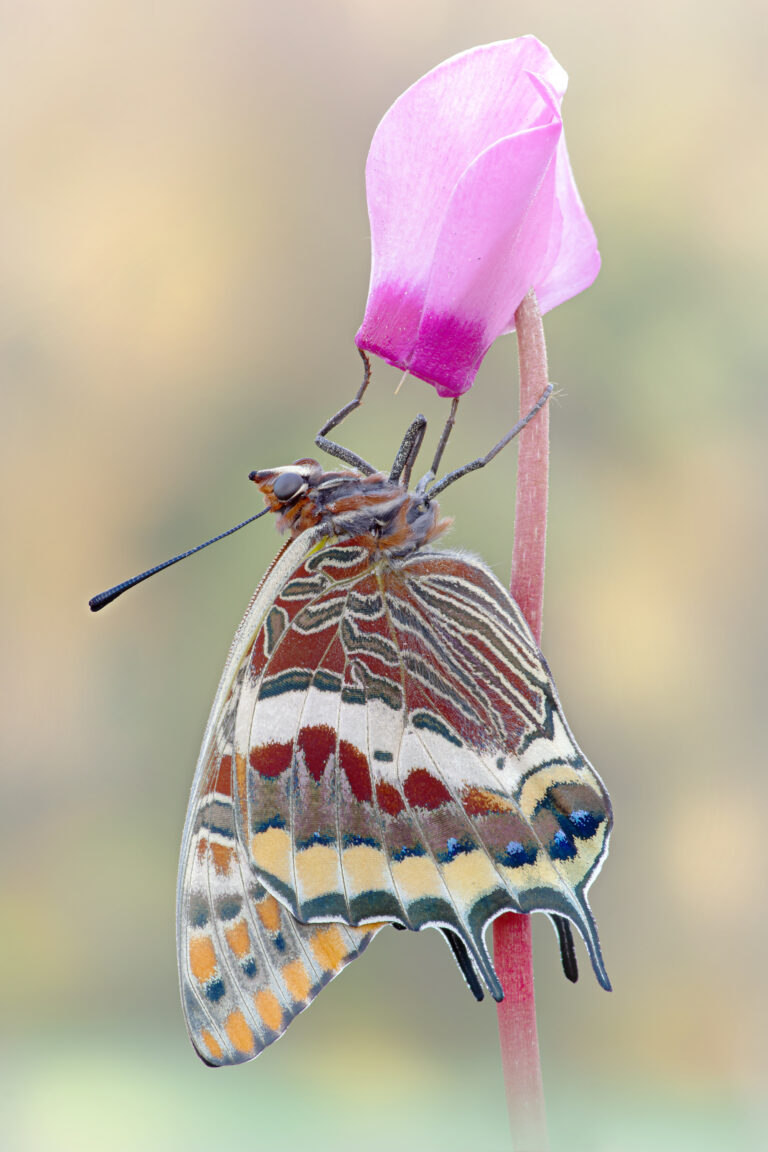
<point>387,745</point>
<point>247,966</point>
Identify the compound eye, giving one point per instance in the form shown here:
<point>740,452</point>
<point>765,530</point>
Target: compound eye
<point>287,485</point>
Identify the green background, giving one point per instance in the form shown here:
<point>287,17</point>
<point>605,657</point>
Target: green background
<point>184,265</point>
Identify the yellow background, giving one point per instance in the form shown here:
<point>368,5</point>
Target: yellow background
<point>183,265</point>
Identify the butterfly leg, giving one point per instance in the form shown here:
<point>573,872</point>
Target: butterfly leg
<point>567,949</point>
<point>426,480</point>
<point>337,450</point>
<point>483,460</point>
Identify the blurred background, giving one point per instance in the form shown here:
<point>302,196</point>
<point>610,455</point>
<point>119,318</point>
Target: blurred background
<point>184,264</point>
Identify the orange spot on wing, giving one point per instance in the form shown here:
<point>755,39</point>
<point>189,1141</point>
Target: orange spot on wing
<point>268,1007</point>
<point>211,1043</point>
<point>238,939</point>
<point>269,913</point>
<point>477,802</point>
<point>296,980</point>
<point>329,947</point>
<point>239,1033</point>
<point>222,858</point>
<point>202,958</point>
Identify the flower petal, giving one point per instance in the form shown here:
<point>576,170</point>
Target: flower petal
<point>472,202</point>
<point>434,131</point>
<point>574,259</point>
<point>493,241</point>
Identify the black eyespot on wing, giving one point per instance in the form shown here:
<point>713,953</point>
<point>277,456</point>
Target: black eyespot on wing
<point>287,485</point>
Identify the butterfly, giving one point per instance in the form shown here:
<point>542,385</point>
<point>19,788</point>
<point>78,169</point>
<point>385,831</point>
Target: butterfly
<point>386,746</point>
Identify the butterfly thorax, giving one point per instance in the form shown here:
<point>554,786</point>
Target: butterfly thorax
<point>379,513</point>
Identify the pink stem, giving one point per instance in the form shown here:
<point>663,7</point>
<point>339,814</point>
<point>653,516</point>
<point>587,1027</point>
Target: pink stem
<point>528,556</point>
<point>513,956</point>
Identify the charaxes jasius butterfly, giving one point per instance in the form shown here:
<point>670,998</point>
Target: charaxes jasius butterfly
<point>386,746</point>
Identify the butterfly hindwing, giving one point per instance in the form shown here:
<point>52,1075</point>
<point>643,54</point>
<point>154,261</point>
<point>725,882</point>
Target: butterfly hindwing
<point>533,800</point>
<point>407,757</point>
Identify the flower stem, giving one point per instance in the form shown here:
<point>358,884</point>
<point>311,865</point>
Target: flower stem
<point>513,956</point>
<point>527,583</point>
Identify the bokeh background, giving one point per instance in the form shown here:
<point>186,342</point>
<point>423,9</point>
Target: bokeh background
<point>184,262</point>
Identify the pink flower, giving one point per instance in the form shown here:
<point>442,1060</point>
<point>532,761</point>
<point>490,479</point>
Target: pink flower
<point>472,202</point>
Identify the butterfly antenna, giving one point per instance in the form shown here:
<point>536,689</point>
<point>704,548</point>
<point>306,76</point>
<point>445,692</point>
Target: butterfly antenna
<point>483,460</point>
<point>104,598</point>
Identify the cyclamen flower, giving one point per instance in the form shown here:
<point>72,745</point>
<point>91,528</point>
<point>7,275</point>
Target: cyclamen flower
<point>472,202</point>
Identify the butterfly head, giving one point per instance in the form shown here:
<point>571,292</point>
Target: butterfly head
<point>377,511</point>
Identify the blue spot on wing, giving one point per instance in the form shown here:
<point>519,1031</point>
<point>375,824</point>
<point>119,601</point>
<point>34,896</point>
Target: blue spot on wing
<point>322,838</point>
<point>414,850</point>
<point>229,908</point>
<point>453,848</point>
<point>276,821</point>
<point>583,823</point>
<point>214,990</point>
<point>226,831</point>
<point>561,846</point>
<point>198,913</point>
<point>351,841</point>
<point>516,855</point>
